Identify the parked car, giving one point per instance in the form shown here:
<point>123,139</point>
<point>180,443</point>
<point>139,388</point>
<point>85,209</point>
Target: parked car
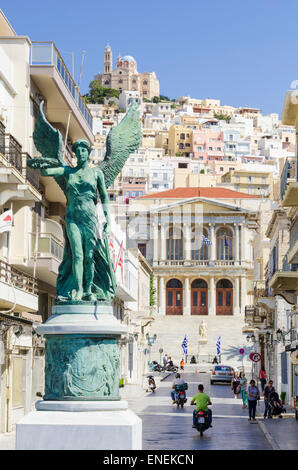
<point>222,373</point>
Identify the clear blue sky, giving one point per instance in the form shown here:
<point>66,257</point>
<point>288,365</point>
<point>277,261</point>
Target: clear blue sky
<point>243,53</point>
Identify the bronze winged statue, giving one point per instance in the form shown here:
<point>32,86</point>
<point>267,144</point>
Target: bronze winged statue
<point>86,272</point>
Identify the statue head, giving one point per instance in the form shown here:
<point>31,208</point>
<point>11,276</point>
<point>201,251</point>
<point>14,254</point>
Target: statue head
<point>82,149</point>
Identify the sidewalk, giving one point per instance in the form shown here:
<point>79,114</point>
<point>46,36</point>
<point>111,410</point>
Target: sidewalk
<point>281,433</point>
<point>140,390</point>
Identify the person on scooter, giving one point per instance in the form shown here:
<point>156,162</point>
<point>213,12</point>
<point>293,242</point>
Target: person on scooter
<point>177,381</point>
<point>201,400</point>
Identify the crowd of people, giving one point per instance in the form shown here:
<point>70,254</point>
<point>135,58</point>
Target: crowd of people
<point>249,393</point>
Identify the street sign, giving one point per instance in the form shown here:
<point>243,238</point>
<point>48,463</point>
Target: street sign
<point>255,357</point>
<point>241,351</point>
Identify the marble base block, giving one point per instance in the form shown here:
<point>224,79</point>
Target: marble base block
<point>72,428</point>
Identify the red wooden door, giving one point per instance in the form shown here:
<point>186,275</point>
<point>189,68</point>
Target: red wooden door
<point>199,301</point>
<point>174,301</point>
<point>224,301</point>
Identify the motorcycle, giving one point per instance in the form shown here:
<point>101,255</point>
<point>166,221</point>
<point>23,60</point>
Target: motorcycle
<point>202,421</point>
<point>155,367</point>
<point>179,395</point>
<point>169,368</point>
<point>151,383</point>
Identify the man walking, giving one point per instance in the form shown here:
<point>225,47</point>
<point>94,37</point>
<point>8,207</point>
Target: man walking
<point>268,389</point>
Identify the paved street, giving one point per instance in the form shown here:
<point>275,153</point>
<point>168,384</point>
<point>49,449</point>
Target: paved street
<point>165,427</point>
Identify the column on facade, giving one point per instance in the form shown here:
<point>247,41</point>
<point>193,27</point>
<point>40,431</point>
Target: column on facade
<point>162,296</point>
<point>212,297</point>
<point>243,294</point>
<point>186,297</point>
<point>236,292</point>
<point>213,243</point>
<point>155,240</point>
<point>242,258</point>
<point>163,242</point>
<point>237,242</point>
<point>187,241</point>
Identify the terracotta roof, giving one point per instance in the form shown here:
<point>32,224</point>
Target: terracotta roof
<point>214,193</point>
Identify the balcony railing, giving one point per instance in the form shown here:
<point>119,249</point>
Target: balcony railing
<point>260,289</point>
<point>13,152</point>
<point>31,174</point>
<point>45,54</point>
<point>289,172</point>
<point>47,245</point>
<point>2,138</point>
<point>254,314</point>
<point>13,277</point>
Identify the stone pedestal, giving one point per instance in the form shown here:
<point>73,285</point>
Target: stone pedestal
<point>203,347</point>
<point>81,408</point>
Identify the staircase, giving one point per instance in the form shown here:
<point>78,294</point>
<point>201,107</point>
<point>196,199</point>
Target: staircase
<point>171,329</point>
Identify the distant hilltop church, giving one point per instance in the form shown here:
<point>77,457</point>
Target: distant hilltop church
<point>125,76</point>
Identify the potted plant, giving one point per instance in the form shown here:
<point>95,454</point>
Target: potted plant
<point>283,397</point>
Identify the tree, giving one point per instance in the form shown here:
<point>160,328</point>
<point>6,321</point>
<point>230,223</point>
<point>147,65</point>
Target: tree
<point>97,93</point>
<point>152,291</point>
<point>222,117</point>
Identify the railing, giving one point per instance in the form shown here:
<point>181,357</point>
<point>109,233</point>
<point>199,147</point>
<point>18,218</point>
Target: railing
<point>45,54</point>
<point>13,152</point>
<point>254,314</point>
<point>192,262</point>
<point>2,138</point>
<point>47,244</point>
<point>31,174</point>
<point>289,171</point>
<point>260,289</point>
<point>13,277</point>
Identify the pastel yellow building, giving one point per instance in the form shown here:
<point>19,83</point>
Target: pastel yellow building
<point>180,140</point>
<point>259,183</point>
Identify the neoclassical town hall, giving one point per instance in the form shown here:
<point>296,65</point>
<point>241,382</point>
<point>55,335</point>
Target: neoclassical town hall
<point>199,241</point>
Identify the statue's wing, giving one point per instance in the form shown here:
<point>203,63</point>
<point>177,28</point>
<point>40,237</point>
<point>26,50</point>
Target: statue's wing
<point>48,142</point>
<point>121,142</point>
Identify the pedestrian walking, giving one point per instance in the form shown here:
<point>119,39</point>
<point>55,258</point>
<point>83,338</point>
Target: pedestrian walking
<point>165,360</point>
<point>243,387</point>
<point>253,397</point>
<point>182,364</point>
<point>263,378</point>
<point>268,389</point>
<point>235,384</point>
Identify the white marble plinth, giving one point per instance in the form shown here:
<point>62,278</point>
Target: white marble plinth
<point>82,319</point>
<point>96,405</point>
<point>203,349</point>
<point>105,429</point>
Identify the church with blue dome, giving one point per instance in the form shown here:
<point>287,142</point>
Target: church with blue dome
<point>125,76</point>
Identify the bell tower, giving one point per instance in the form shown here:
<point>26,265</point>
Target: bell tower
<point>108,59</point>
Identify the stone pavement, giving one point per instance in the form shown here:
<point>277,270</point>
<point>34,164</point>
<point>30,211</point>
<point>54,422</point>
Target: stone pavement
<point>281,433</point>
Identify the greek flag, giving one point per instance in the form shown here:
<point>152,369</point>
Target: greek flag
<point>206,240</point>
<point>184,345</point>
<point>218,346</point>
<point>226,242</point>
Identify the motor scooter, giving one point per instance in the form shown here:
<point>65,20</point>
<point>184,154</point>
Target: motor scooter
<point>202,421</point>
<point>179,395</point>
<point>151,383</point>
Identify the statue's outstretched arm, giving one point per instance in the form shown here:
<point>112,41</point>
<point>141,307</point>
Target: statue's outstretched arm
<point>59,171</point>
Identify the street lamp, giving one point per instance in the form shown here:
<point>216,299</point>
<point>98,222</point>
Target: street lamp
<point>268,335</point>
<point>279,335</point>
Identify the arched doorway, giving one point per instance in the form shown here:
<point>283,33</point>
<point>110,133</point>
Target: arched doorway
<point>174,302</point>
<point>224,297</point>
<point>199,297</point>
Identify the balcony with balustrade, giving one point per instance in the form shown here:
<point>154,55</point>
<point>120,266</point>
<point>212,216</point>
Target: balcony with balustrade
<point>46,251</point>
<point>17,289</point>
<point>59,89</point>
<point>17,180</point>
